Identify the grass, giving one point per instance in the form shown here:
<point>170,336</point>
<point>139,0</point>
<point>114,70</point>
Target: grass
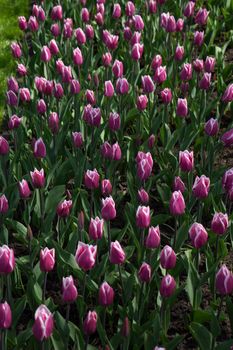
<point>9,31</point>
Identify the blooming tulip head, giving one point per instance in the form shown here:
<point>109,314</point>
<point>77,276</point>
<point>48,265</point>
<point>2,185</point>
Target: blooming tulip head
<point>39,149</point>
<point>43,324</point>
<point>144,165</point>
<point>160,74</point>
<point>168,258</point>
<point>209,64</point>
<point>45,55</point>
<point>144,273</point>
<point>189,9</point>
<point>96,228</point>
<point>91,179</point>
<point>108,210</point>
<point>179,53</point>
<point>117,254</point>
<point>85,256</point>
<point>201,16</point>
<point>116,13</point>
<point>198,65</point>
<point>64,208</point>
<point>167,286</point>
<point>114,121</point>
<point>143,217</point>
<point>156,62</point>
<point>211,127</point>
<point>224,281</point>
<point>24,190</point>
<point>177,203</point>
<point>182,107</point>
<point>198,235</point>
<point>106,294</point>
<point>198,38</point>
<point>57,13</point>
<point>205,81</point>
<point>108,89</point>
<point>122,86</point>
<point>142,101</point>
<point>5,316</point>
<point>219,223</point>
<point>69,290</point>
<point>7,260</point>
<point>90,323</point>
<point>16,50</point>
<point>201,187</point>
<point>186,160</point>
<point>47,259</point>
<point>147,84</point>
<point>38,178</point>
<point>130,9</point>
<point>118,68</point>
<point>153,238</point>
<point>166,95</point>
<point>4,206</point>
<point>186,72</point>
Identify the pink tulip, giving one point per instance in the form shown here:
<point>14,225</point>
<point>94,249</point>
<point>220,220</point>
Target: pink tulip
<point>224,281</point>
<point>12,84</point>
<point>178,185</point>
<point>152,6</point>
<point>80,36</point>
<point>143,196</point>
<point>189,9</point>
<point>55,30</point>
<point>96,228</point>
<point>64,208</point>
<point>106,294</point>
<point>198,65</point>
<point>151,141</point>
<point>21,70</point>
<point>38,178</point>
<point>167,286</point>
<point>85,256</point>
<point>138,22</point>
<point>228,94</point>
<point>47,259</point>
<point>227,138</point>
<point>41,106</point>
<point>209,64</point>
<point>227,180</point>
<point>5,316</point>
<point>16,50</point>
<point>160,74</point>
<point>179,25</point>
<point>211,127</point>
<point>147,84</point>
<point>12,99</point>
<point>4,146</point>
<point>43,324</point>
<point>91,179</point>
<point>114,121</point>
<point>4,206</point>
<point>186,72</point>
<point>108,210</point>
<point>90,96</point>
<point>127,33</point>
<point>45,55</point>
<point>85,16</point>
<point>22,23</point>
<point>122,86</point>
<point>144,273</point>
<point>77,139</point>
<point>7,260</point>
<point>39,149</point>
<point>153,238</point>
<point>166,95</point>
<point>179,53</point>
<point>205,81</point>
<point>182,107</point>
<point>136,38</point>
<point>143,217</point>
<point>106,59</point>
<point>198,38</point>
<point>57,13</point>
<point>142,101</point>
<point>53,122</point>
<point>24,95</point>
<point>106,187</point>
<point>24,190</point>
<point>117,254</point>
<point>130,9</point>
<point>219,223</point>
<point>75,87</point>
<point>201,187</point>
<point>156,62</point>
<point>90,323</point>
<point>201,17</point>
<point>177,203</point>
<point>168,258</point>
<point>118,69</point>
<point>186,160</point>
<point>33,25</point>
<point>198,235</point>
<point>144,165</point>
<point>137,51</point>
<point>89,31</point>
<point>108,89</point>
<point>116,13</point>
<point>69,290</point>
<point>77,57</point>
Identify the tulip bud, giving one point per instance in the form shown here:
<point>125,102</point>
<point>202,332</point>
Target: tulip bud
<point>4,146</point>
<point>74,87</point>
<point>90,96</point>
<point>179,53</point>
<point>106,59</point>
<point>108,210</point>
<point>224,281</point>
<point>106,187</point>
<point>186,72</point>
<point>24,95</point>
<point>77,139</point>
<point>147,84</point>
<point>129,9</point>
<point>5,316</point>
<point>85,256</point>
<point>7,260</point>
<point>186,161</point>
<point>106,294</point>
<point>151,141</point>
<point>127,33</point>
<point>80,36</point>
<point>81,221</point>
<point>33,25</point>
<point>143,196</point>
<point>205,81</point>
<point>85,16</point>
<point>182,107</point>
<point>57,13</point>
<point>122,86</point>
<point>228,94</point>
<point>137,51</point>
<point>64,208</point>
<point>178,185</point>
<point>168,286</point>
<point>117,254</point>
<point>47,259</point>
<point>209,64</point>
<point>198,235</point>
<point>90,323</point>
<point>99,18</point>
<point>144,273</point>
<point>144,165</point>
<point>96,228</point>
<point>45,55</point>
<point>114,121</point>
<point>227,180</point>
<point>227,138</point>
<point>125,330</point>
<point>168,258</point>
<point>55,30</point>
<point>189,9</point>
<point>160,74</point>
<point>39,149</point>
<point>166,95</point>
<point>22,23</point>
<point>143,217</point>
<point>177,203</point>
<point>21,70</point>
<point>201,187</point>
<point>77,57</point>
<point>179,25</point>
<point>69,291</point>
<point>12,84</point>
<point>152,6</point>
<point>14,122</point>
<point>142,101</point>
<point>12,99</point>
<point>156,62</point>
<point>44,324</point>
<point>38,178</point>
<point>41,106</point>
<point>54,122</point>
<point>116,13</point>
<point>91,179</point>
<point>108,89</point>
<point>198,65</point>
<point>16,50</point>
<point>171,24</point>
<point>4,206</point>
<point>211,127</point>
<point>153,238</point>
<point>198,38</point>
<point>201,17</point>
<point>219,223</point>
<point>118,68</point>
<point>24,190</point>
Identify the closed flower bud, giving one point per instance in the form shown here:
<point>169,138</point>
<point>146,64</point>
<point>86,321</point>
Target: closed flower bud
<point>117,254</point>
<point>58,91</point>
<point>108,210</point>
<point>90,96</point>
<point>90,323</point>
<point>178,185</point>
<point>153,238</point>
<point>22,23</point>
<point>143,217</point>
<point>129,9</point>
<point>127,33</point>
<point>171,24</point>
<point>228,94</point>
<point>166,95</point>
<point>122,86</point>
<point>106,294</point>
<point>219,223</point>
<point>227,138</point>
<point>182,107</point>
<point>99,18</point>
<point>85,256</point>
<point>7,260</point>
<point>186,72</point>
<point>85,16</point>
<point>55,30</point>
<point>106,150</point>
<point>24,95</point>
<point>39,149</point>
<point>167,258</point>
<point>205,81</point>
<point>138,22</point>
<point>118,69</point>
<point>69,290</point>
<point>201,17</point>
<point>89,31</point>
<point>152,6</point>
<point>74,87</point>
<point>198,38</point>
<point>77,139</point>
<point>137,51</point>
<point>179,53</point>
<point>227,180</point>
<point>144,273</point>
<point>80,36</point>
<point>47,259</point>
<point>198,65</point>
<point>64,208</point>
<point>160,74</point>
<point>143,196</point>
<point>142,101</point>
<point>91,179</point>
<point>12,99</point>
<point>77,57</point>
<point>16,50</point>
<point>57,13</point>
<point>147,84</point>
<point>43,324</point>
<point>151,141</point>
<point>167,286</point>
<point>4,146</point>
<point>96,228</point>
<point>45,55</point>
<point>106,187</point>
<point>179,25</point>
<point>21,70</point>
<point>224,281</point>
<point>144,165</point>
<point>201,187</point>
<point>33,25</point>
<point>116,13</point>
<point>125,330</point>
<point>114,121</point>
<point>156,62</point>
<point>211,127</point>
<point>14,122</point>
<point>53,47</point>
<point>12,84</point>
<point>38,178</point>
<point>136,38</point>
<point>54,122</point>
<point>198,235</point>
<point>106,59</point>
<point>41,106</point>
<point>177,203</point>
<point>108,89</point>
<point>209,64</point>
<point>4,206</point>
<point>24,190</point>
<point>186,160</point>
<point>189,9</point>
<point>5,316</point>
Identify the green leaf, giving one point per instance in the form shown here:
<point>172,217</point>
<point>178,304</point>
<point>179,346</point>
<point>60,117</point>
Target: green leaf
<point>201,335</point>
<point>54,197</point>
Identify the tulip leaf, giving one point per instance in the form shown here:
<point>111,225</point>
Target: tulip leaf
<point>201,335</point>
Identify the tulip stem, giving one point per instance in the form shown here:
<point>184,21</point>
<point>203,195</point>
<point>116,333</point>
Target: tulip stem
<point>44,289</point>
<point>104,317</point>
<point>139,302</point>
<point>8,288</point>
<point>67,312</point>
<point>176,228</point>
<point>215,259</point>
<point>109,237</point>
<point>87,341</point>
<point>2,334</point>
<point>41,208</point>
<point>91,204</point>
<point>84,284</point>
<point>122,286</point>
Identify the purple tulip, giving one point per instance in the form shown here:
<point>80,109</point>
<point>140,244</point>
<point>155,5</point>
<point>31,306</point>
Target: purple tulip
<point>91,179</point>
<point>167,258</point>
<point>64,208</point>
<point>96,228</point>
<point>177,203</point>
<point>85,256</point>
<point>201,187</point>
<point>198,235</point>
<point>47,259</point>
<point>5,316</point>
<point>227,138</point>
<point>178,185</point>
<point>114,121</point>
<point>43,324</point>
<point>143,217</point>
<point>144,273</point>
<point>69,290</point>
<point>219,223</point>
<point>182,107</point>
<point>153,238</point>
<point>224,281</point>
<point>117,254</point>
<point>143,196</point>
<point>211,127</point>
<point>167,286</point>
<point>108,210</point>
<point>228,94</point>
<point>7,260</point>
<point>24,190</point>
<point>90,323</point>
<point>186,160</point>
<point>106,294</point>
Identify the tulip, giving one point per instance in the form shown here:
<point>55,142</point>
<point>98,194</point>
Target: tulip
<point>166,95</point>
<point>58,91</point>
<point>186,72</point>
<point>160,74</point>
<point>39,149</point>
<point>211,127</point>
<point>80,36</point>
<point>24,190</point>
<point>138,22</point>
<point>106,294</point>
<point>156,62</point>
<point>55,30</point>
<point>224,281</point>
<point>198,38</point>
<point>16,50</point>
<point>142,101</point>
<point>171,24</point>
<point>151,141</point>
<point>90,323</point>
<point>209,64</point>
<point>137,51</point>
<point>77,57</point>
<point>74,87</point>
<point>77,139</point>
<point>115,152</point>
<point>21,70</point>
<point>178,185</point>
<point>41,106</point>
<point>117,255</point>
<point>7,260</point>
<point>108,210</point>
<point>96,228</point>
<point>201,17</point>
<point>122,86</point>
<point>168,258</point>
<point>205,81</point>
<point>198,235</point>
<point>227,138</point>
<point>4,146</point>
<point>147,84</point>
<point>12,99</point>
<point>99,18</point>
<point>38,178</point>
<point>89,31</point>
<point>153,238</point>
<point>22,23</point>
<point>106,59</point>
<point>64,208</point>
<point>144,273</point>
<point>186,161</point>
<point>57,13</point>
<point>129,9</point>
<point>143,217</point>
<point>108,89</point>
<point>54,122</point>
<point>14,122</point>
<point>69,290</point>
<point>47,259</point>
<point>228,94</point>
<point>179,25</point>
<point>85,16</point>
<point>68,29</point>
<point>201,187</point>
<point>143,196</point>
<point>167,286</point>
<point>219,223</point>
<point>44,324</point>
<point>45,55</point>
<point>12,84</point>
<point>114,121</point>
<point>118,69</point>
<point>179,53</point>
<point>91,179</point>
<point>198,65</point>
<point>189,9</point>
<point>127,33</point>
<point>106,187</point>
<point>136,38</point>
<point>90,96</point>
<point>182,107</point>
<point>33,25</point>
<point>106,150</point>
<point>144,166</point>
<point>227,181</point>
<point>4,206</point>
<point>24,95</point>
<point>152,6</point>
<point>116,13</point>
<point>85,256</point>
<point>177,203</point>
<point>5,316</point>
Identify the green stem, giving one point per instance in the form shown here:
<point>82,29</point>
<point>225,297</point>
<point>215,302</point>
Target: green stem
<point>44,288</point>
<point>2,334</point>
<point>139,302</point>
<point>122,286</point>
<point>67,312</point>
<point>86,342</point>
<point>109,237</point>
<point>215,259</point>
<point>84,283</point>
<point>176,228</point>
<point>41,208</point>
